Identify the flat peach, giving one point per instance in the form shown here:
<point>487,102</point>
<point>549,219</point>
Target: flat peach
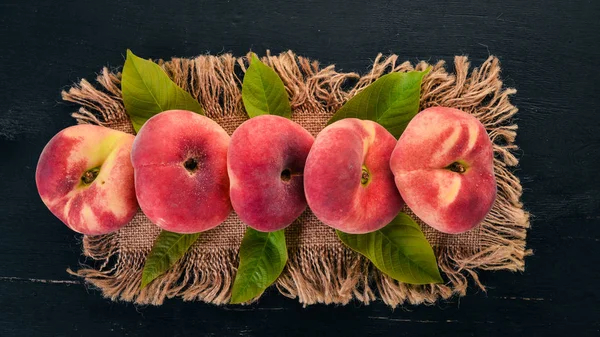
<point>85,178</point>
<point>443,167</point>
<point>180,163</point>
<point>266,163</point>
<point>347,180</point>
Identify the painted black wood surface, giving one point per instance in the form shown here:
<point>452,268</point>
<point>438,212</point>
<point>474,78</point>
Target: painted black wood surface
<point>549,51</point>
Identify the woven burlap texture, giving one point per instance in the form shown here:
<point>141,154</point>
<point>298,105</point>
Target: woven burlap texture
<point>320,269</point>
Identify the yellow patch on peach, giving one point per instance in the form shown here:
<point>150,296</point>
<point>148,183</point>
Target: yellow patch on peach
<point>233,180</point>
<point>448,144</point>
<point>112,200</point>
<point>367,142</point>
<point>112,195</point>
<point>67,208</point>
<point>97,151</point>
<point>72,133</point>
<point>473,135</point>
<point>88,216</point>
<point>449,187</point>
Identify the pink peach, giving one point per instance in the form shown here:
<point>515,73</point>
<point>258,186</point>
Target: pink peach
<point>84,176</point>
<point>443,167</point>
<point>266,163</point>
<point>347,179</point>
<point>180,163</point>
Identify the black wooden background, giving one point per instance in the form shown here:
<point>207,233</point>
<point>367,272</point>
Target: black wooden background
<point>549,51</point>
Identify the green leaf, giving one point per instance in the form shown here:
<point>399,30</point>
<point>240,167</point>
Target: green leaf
<point>262,259</point>
<point>399,250</point>
<point>263,91</point>
<point>392,101</point>
<point>168,248</point>
<point>147,91</point>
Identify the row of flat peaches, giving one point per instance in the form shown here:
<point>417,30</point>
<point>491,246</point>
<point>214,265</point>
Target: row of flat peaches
<point>187,174</point>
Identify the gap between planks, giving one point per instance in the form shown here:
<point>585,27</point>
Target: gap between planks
<point>37,280</point>
<point>408,320</point>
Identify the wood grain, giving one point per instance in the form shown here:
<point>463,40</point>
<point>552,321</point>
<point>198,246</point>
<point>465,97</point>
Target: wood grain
<point>548,52</point>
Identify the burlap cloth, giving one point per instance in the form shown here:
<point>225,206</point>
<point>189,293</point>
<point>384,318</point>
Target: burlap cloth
<point>320,269</point>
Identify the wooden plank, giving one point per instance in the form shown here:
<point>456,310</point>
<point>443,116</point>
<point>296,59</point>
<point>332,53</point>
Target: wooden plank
<point>548,52</point>
<point>49,309</point>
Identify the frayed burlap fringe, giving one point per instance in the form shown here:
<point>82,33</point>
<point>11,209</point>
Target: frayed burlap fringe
<point>320,269</point>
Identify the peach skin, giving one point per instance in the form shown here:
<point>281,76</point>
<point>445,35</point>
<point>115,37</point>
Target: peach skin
<point>266,163</point>
<point>347,179</point>
<point>84,176</point>
<point>180,163</point>
<point>443,167</point>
